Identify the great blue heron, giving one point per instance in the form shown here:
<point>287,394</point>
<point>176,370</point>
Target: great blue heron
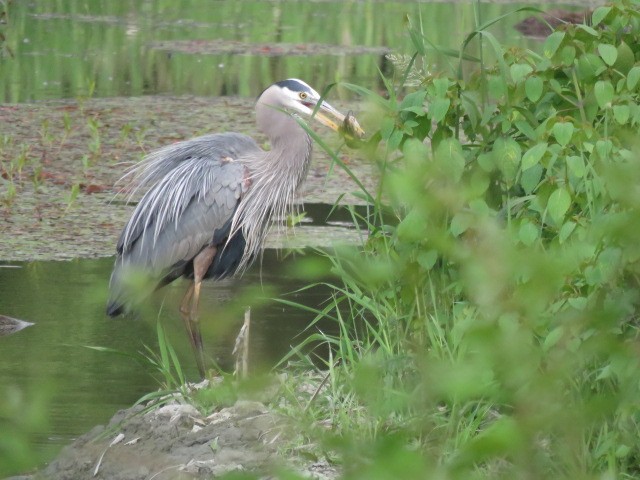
<point>210,200</point>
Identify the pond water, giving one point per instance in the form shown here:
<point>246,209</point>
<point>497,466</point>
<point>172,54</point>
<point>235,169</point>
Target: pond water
<point>118,48</point>
<point>59,49</point>
<point>83,387</point>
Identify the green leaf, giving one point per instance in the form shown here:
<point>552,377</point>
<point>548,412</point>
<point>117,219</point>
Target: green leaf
<point>507,155</point>
<point>394,140</point>
<point>622,451</point>
<point>633,77</point>
<point>519,71</point>
<point>460,223</point>
<point>604,148</point>
<point>568,55</point>
<point>579,303</point>
<point>528,233</point>
<point>427,259</point>
<point>533,87</point>
<point>498,51</point>
<point>558,204</point>
<point>387,127</point>
<point>563,131</point>
<point>485,160</point>
<point>555,86</point>
<point>621,113</point>
<point>589,66</point>
<point>530,178</point>
<point>526,129</point>
<point>609,53</point>
<point>604,93</point>
<point>552,43</point>
<point>588,29</point>
<point>566,230</point>
<point>553,338</point>
<point>576,165</point>
<point>415,152</point>
<point>626,58</point>
<point>533,155</point>
<point>439,108</point>
<point>471,109</point>
<point>450,158</point>
<point>497,87</point>
<point>599,14</point>
<point>412,228</point>
<point>414,99</point>
<point>441,87</point>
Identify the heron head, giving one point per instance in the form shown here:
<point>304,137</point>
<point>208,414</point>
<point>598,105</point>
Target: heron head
<point>296,97</point>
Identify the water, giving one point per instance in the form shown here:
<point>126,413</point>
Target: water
<point>122,48</point>
<point>84,387</point>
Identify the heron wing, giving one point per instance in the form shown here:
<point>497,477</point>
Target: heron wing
<point>177,173</point>
<point>194,189</point>
<point>169,235</point>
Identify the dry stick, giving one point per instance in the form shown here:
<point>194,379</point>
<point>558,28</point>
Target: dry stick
<point>322,384</point>
<point>241,347</point>
<point>170,467</point>
<point>115,441</point>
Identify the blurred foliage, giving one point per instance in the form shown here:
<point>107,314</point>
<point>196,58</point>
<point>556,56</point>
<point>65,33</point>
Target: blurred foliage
<point>22,416</point>
<point>490,330</point>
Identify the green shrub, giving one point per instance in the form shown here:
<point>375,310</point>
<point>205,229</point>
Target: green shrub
<point>490,329</point>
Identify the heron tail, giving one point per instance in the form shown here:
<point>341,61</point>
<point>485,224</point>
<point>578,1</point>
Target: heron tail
<point>114,308</point>
<point>119,290</point>
<point>116,302</point>
<point>130,284</point>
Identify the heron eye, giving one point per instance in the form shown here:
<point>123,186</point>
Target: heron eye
<point>303,95</point>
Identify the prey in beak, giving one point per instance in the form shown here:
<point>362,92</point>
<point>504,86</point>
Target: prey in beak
<point>346,125</point>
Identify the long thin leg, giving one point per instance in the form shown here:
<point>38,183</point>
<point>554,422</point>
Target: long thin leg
<point>185,313</point>
<point>186,301</point>
<point>195,327</point>
<point>201,264</point>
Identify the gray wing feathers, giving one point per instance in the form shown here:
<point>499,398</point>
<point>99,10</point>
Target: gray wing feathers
<point>176,174</point>
<point>157,165</point>
<point>181,240</point>
<point>150,260</point>
<point>193,190</point>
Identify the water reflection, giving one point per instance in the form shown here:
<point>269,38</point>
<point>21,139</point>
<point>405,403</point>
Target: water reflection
<point>66,301</point>
<point>105,48</point>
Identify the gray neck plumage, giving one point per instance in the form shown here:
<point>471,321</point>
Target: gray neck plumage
<point>274,179</point>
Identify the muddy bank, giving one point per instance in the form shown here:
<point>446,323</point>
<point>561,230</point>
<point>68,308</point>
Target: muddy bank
<point>176,441</point>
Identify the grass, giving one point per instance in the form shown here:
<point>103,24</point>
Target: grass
<point>488,330</point>
<point>487,325</point>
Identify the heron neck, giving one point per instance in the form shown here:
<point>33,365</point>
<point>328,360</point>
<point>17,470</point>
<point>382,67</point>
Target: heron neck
<point>274,179</point>
<point>290,154</point>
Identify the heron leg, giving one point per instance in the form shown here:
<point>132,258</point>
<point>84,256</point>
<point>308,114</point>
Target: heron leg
<point>194,325</point>
<point>186,301</point>
<point>185,311</point>
<point>190,302</point>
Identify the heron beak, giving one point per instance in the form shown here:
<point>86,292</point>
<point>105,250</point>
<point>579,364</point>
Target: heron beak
<point>326,115</point>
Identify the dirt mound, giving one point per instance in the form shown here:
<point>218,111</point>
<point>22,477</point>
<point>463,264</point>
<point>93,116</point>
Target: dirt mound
<point>177,442</point>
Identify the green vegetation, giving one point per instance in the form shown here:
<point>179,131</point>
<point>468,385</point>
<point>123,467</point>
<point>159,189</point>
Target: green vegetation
<point>23,415</point>
<point>488,325</point>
